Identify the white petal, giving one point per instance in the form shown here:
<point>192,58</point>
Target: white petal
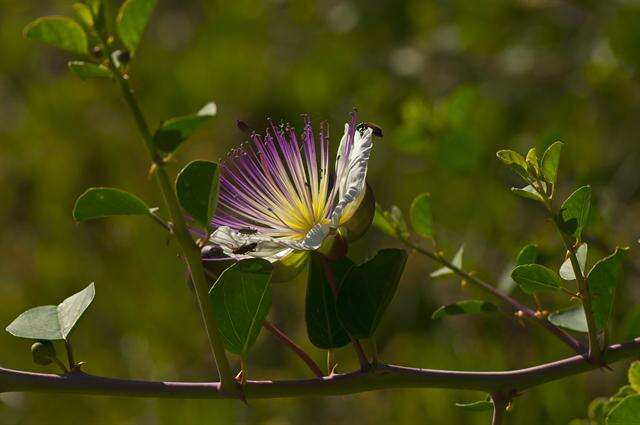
<point>273,249</point>
<point>351,173</point>
<point>232,241</point>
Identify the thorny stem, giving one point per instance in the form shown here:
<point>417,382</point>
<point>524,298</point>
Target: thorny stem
<point>181,233</point>
<point>288,342</point>
<point>382,377</point>
<point>515,305</point>
<point>331,279</point>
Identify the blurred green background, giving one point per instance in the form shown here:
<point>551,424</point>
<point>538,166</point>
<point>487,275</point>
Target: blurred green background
<point>450,82</point>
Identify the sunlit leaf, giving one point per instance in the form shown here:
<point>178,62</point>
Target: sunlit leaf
<point>566,270</point>
<point>99,202</point>
<point>456,261</point>
<point>527,192</point>
<point>83,14</point>
<point>626,413</point>
<point>59,31</point>
<point>52,322</point>
<point>421,217</point>
<point>603,279</point>
<point>534,278</point>
<point>323,325</point>
<point>367,290</point>
<point>197,190</point>
<point>551,161</point>
<point>176,130</point>
<point>527,255</point>
<point>131,21</point>
<point>577,207</point>
<point>464,307</point>
<point>515,161</point>
<point>633,374</point>
<point>571,318</point>
<point>241,299</point>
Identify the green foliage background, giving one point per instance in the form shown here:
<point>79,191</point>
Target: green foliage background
<point>449,82</point>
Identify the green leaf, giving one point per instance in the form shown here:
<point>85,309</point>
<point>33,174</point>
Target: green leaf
<point>99,202</point>
<point>577,207</point>
<point>197,189</point>
<point>551,161</point>
<point>515,161</point>
<point>83,14</point>
<point>367,290</point>
<point>464,307</point>
<point>533,278</point>
<point>571,318</point>
<point>634,375</point>
<point>382,222</point>
<point>527,192</point>
<point>174,131</point>
<point>323,325</point>
<point>50,322</point>
<point>457,261</point>
<point>603,278</point>
<point>241,298</point>
<point>420,214</point>
<point>131,21</point>
<point>566,270</point>
<point>527,255</point>
<point>532,161</point>
<point>59,31</point>
<point>626,413</point>
<point>86,70</point>
<point>476,406</point>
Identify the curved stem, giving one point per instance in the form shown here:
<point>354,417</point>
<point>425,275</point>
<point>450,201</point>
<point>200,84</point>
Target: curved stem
<point>515,305</point>
<point>182,235</point>
<point>383,377</point>
<point>288,342</point>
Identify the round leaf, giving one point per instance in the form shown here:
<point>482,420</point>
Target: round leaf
<point>131,21</point>
<point>367,290</point>
<point>197,189</point>
<point>241,299</point>
<point>533,278</point>
<point>421,217</point>
<point>59,31</point>
<point>100,202</point>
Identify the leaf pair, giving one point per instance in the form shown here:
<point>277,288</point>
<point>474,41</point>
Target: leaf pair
<point>52,322</point>
<point>356,305</point>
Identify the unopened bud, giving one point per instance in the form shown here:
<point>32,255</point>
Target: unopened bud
<point>43,352</point>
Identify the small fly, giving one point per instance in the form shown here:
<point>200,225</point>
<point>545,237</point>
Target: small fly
<point>245,248</point>
<point>247,231</point>
<point>377,130</point>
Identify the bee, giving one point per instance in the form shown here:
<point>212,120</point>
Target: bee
<point>377,130</point>
<point>245,248</point>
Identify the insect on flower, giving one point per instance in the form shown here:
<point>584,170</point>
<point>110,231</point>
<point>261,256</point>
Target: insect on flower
<point>281,187</point>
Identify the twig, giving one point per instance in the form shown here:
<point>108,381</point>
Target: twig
<point>383,377</point>
<point>289,343</point>
<point>515,305</point>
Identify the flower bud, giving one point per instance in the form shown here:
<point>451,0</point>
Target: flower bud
<point>43,352</point>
